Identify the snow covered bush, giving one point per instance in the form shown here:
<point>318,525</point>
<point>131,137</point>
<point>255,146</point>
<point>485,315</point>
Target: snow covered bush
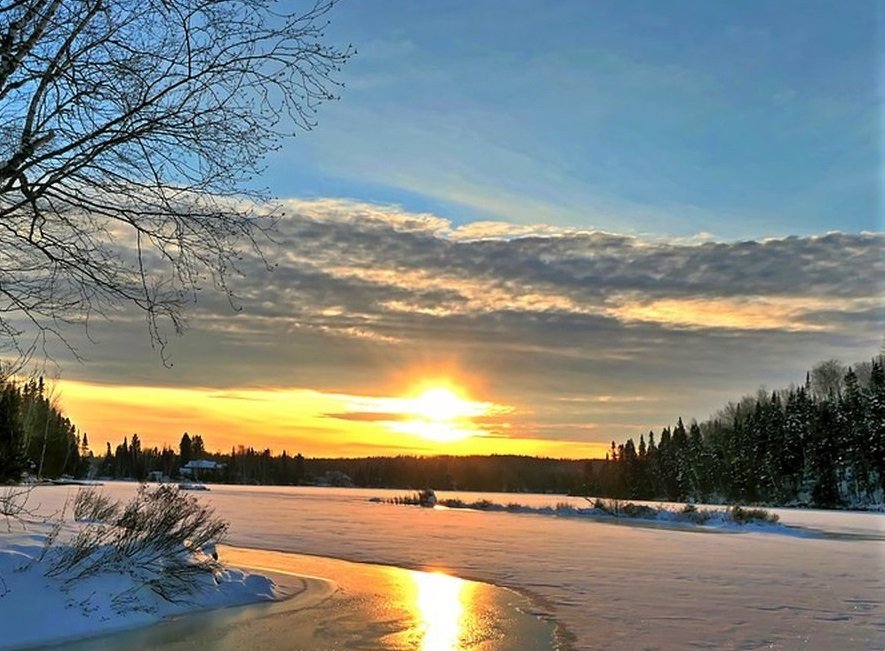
<point>162,539</point>
<point>91,505</point>
<point>14,503</point>
<point>693,514</point>
<point>744,515</point>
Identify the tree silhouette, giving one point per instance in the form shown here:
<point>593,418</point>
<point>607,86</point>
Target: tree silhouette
<point>130,132</point>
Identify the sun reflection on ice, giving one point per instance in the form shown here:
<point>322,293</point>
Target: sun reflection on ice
<point>440,604</point>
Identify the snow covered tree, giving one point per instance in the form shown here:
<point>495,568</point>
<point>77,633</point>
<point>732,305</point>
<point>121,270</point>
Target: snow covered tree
<point>876,420</point>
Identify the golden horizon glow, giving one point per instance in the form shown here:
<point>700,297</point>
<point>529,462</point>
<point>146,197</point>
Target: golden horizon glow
<point>296,419</point>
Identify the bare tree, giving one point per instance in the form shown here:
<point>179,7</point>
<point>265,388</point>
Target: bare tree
<point>826,378</point>
<point>130,132</point>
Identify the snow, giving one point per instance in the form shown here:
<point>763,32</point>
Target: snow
<point>645,515</point>
<point>610,584</point>
<point>36,609</point>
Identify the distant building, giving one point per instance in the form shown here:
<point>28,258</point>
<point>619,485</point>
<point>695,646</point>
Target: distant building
<point>197,468</point>
<point>335,478</point>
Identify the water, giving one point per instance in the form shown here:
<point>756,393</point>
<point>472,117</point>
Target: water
<point>366,607</point>
<point>607,585</point>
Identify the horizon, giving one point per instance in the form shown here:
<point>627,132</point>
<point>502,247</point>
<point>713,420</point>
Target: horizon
<point>451,448</point>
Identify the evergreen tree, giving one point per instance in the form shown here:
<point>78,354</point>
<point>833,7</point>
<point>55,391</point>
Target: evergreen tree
<point>823,468</point>
<point>138,466</point>
<point>797,427</point>
<point>198,449</point>
<point>876,420</point>
<point>854,441</point>
<point>12,461</point>
<point>185,449</point>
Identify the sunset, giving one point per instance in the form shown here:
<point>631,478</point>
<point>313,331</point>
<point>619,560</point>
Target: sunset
<point>438,418</point>
<point>442,326</point>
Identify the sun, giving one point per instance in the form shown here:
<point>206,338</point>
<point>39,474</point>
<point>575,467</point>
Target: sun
<point>441,404</point>
<point>442,414</point>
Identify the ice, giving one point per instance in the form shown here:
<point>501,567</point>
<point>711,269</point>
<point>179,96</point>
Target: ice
<point>611,585</point>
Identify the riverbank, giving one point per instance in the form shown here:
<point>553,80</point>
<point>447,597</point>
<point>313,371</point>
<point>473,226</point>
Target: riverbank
<point>366,607</point>
<point>93,582</point>
<point>50,594</point>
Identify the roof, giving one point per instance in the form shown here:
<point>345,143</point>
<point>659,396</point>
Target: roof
<point>202,464</point>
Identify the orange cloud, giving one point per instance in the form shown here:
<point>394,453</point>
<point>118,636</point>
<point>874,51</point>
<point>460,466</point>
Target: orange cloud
<point>744,313</point>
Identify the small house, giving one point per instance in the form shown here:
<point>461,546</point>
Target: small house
<point>201,469</point>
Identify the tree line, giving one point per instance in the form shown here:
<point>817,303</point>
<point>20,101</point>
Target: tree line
<point>35,436</point>
<point>821,444</point>
<point>246,465</point>
<point>818,444</point>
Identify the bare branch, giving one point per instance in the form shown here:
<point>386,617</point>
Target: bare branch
<point>130,131</point>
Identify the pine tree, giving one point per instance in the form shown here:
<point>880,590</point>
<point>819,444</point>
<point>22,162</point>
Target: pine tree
<point>139,471</point>
<point>12,461</point>
<point>697,467</point>
<point>797,424</point>
<point>823,468</point>
<point>185,449</point>
<point>198,450</point>
<point>854,440</point>
<point>876,420</point>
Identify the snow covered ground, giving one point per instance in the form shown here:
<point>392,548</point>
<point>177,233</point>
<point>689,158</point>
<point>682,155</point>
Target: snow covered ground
<point>611,585</point>
<point>39,609</point>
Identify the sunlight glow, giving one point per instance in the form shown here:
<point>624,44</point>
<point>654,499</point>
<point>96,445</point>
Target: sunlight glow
<point>440,404</point>
<point>439,413</point>
<point>440,604</point>
<point>441,432</point>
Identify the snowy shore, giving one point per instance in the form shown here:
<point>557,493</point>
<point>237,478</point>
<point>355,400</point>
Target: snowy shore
<point>118,608</point>
<point>732,519</point>
<point>39,605</point>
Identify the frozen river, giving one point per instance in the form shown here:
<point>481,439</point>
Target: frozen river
<point>609,585</point>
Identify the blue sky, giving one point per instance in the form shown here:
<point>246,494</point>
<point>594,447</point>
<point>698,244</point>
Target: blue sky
<point>741,119</point>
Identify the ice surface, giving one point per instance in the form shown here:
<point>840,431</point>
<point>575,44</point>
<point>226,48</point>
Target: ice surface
<point>611,585</point>
<point>370,607</point>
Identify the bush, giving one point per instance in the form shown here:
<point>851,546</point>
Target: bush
<point>642,511</point>
<point>14,504</point>
<point>91,505</point>
<point>610,507</point>
<point>693,514</point>
<point>744,515</point>
<point>160,539</point>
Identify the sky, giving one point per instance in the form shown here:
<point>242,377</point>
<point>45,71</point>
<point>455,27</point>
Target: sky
<point>569,222</point>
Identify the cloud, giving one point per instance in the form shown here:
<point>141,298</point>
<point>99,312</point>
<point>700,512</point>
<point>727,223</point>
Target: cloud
<point>384,264</point>
<point>367,416</point>
<point>564,324</point>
